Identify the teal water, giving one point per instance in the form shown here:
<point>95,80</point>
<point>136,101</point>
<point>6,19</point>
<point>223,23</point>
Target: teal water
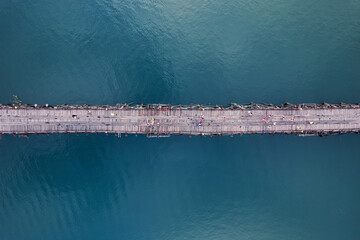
<point>250,187</point>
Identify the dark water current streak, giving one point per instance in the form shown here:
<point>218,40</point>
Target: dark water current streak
<point>179,52</point>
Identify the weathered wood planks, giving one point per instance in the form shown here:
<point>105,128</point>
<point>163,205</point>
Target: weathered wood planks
<point>166,120</point>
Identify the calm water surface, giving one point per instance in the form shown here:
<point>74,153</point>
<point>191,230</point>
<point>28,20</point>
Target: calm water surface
<point>203,51</point>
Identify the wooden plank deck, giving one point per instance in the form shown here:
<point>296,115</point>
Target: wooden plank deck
<point>157,121</point>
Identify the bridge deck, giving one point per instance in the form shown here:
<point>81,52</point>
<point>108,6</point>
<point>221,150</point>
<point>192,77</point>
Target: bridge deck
<point>175,121</point>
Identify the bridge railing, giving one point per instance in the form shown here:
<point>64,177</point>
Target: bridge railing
<point>231,106</point>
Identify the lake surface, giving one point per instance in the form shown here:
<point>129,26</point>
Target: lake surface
<point>180,52</point>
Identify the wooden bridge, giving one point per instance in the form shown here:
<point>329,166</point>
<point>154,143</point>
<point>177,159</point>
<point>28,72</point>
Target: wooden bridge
<point>164,120</point>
